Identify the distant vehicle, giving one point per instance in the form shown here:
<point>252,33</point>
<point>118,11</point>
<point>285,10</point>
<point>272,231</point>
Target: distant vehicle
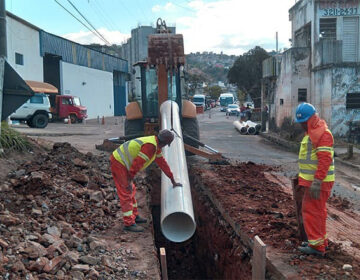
<point>199,100</point>
<point>61,106</point>
<point>212,104</point>
<point>35,112</point>
<point>67,106</point>
<point>233,109</point>
<point>225,100</point>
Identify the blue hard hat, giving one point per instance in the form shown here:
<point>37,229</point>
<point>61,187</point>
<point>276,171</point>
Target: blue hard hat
<point>304,111</point>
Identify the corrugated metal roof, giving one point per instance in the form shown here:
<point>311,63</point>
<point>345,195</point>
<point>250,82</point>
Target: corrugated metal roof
<point>75,53</point>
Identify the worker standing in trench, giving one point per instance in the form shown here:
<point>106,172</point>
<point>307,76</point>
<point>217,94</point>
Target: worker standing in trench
<point>130,158</point>
<point>316,175</point>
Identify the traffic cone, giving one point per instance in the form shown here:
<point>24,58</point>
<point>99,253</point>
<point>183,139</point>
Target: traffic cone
<point>103,120</point>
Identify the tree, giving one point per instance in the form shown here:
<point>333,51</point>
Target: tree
<point>213,91</point>
<point>246,73</point>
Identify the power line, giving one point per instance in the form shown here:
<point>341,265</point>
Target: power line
<point>79,20</point>
<point>104,39</point>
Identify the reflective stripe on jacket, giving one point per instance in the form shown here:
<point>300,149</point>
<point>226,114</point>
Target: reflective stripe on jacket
<point>308,160</point>
<point>128,151</point>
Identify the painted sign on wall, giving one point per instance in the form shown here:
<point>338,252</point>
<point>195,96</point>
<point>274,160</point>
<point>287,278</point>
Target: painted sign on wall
<point>329,8</point>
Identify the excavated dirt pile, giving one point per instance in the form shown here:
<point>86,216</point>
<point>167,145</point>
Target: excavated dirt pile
<point>261,207</point>
<point>53,212</point>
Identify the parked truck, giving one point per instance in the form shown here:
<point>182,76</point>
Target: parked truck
<point>47,104</point>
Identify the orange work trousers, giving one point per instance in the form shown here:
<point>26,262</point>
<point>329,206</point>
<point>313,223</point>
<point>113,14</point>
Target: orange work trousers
<point>314,216</point>
<point>125,193</point>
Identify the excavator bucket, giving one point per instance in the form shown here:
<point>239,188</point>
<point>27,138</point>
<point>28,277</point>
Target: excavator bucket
<point>167,49</point>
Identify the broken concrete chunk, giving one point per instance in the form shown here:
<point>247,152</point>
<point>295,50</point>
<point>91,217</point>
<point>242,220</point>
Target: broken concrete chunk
<point>36,212</point>
<point>9,220</point>
<point>34,250</point>
<point>81,267</point>
<point>3,244</point>
<point>96,196</point>
<point>78,162</point>
<point>54,231</point>
<point>38,265</point>
<point>80,178</point>
<point>347,267</point>
<point>89,260</point>
<point>54,265</point>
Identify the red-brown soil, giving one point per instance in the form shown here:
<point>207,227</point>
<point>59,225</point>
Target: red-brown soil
<point>262,207</point>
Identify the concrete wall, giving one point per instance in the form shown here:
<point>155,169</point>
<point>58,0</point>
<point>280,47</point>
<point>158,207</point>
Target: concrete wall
<point>94,87</point>
<point>294,74</point>
<point>344,80</point>
<point>24,40</point>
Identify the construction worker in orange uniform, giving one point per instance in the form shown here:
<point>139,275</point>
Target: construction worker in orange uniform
<point>130,158</point>
<point>316,175</point>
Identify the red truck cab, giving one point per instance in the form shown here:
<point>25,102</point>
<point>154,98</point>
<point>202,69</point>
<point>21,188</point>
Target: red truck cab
<point>69,106</point>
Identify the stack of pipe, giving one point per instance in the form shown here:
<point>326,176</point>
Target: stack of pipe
<point>247,127</point>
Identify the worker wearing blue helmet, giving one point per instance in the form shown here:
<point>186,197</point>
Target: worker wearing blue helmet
<point>316,175</point>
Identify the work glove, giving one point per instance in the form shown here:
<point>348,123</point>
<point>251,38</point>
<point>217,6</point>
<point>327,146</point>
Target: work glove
<point>315,189</point>
<point>175,184</point>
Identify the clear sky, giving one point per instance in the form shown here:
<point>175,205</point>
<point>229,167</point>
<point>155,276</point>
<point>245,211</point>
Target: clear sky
<point>231,26</point>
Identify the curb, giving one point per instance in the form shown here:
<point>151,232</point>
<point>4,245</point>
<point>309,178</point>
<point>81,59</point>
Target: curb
<point>295,148</point>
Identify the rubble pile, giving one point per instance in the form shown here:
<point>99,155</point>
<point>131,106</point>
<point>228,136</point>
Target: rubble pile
<point>261,207</point>
<point>53,214</point>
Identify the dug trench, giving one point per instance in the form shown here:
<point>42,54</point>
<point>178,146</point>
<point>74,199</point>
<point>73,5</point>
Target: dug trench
<point>232,204</point>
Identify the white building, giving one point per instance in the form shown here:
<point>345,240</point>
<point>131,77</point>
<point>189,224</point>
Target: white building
<point>97,78</point>
<point>322,67</point>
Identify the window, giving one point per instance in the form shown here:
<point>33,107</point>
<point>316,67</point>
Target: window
<point>66,101</point>
<point>302,95</point>
<point>353,100</point>
<point>328,29</point>
<point>19,59</point>
<point>36,99</point>
<point>281,101</point>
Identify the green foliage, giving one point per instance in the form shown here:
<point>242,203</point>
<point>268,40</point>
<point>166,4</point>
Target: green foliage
<point>246,73</point>
<point>195,79</point>
<point>213,91</point>
<point>11,140</point>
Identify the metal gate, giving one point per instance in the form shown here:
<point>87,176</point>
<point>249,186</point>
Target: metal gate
<point>351,39</point>
<point>119,94</point>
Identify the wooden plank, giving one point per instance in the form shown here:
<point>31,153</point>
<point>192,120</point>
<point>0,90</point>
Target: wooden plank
<point>258,259</point>
<point>202,153</point>
<point>164,274</point>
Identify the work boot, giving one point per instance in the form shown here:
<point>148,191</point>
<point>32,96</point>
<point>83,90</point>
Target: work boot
<point>134,228</point>
<point>310,251</point>
<point>140,220</point>
<point>306,243</point>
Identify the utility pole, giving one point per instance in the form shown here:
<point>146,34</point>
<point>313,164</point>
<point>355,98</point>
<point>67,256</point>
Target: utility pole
<point>3,54</point>
<point>277,42</point>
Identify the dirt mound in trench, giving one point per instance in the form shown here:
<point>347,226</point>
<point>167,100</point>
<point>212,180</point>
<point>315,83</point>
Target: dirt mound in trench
<point>53,213</point>
<point>261,207</point>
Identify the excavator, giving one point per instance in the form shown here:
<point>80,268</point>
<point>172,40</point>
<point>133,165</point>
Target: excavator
<point>157,80</point>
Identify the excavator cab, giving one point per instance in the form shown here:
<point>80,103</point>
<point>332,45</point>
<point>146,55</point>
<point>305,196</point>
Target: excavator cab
<point>158,79</point>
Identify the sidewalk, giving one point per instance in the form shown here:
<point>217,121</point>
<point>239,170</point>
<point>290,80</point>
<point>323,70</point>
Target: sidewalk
<point>294,147</point>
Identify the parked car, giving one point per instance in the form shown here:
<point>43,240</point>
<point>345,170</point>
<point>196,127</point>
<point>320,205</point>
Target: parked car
<point>233,109</point>
<point>35,112</point>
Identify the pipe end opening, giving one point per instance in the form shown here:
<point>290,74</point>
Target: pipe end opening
<point>178,227</point>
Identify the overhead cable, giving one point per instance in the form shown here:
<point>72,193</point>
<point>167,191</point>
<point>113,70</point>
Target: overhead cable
<point>104,39</point>
<point>79,20</point>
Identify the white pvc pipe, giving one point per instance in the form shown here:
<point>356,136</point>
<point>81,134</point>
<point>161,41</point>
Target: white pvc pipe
<point>241,127</point>
<point>256,125</point>
<point>251,130</point>
<point>177,214</point>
